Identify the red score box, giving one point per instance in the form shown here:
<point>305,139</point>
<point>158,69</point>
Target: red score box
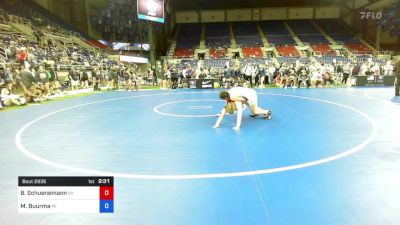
<point>106,193</point>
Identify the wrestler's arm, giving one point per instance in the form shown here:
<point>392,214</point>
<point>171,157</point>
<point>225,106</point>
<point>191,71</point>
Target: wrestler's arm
<point>220,118</point>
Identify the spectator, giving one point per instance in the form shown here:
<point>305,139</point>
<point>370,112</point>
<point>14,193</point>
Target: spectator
<point>96,79</point>
<point>364,69</point>
<point>388,69</point>
<point>375,69</point>
<point>346,73</point>
<point>8,77</point>
<point>270,73</point>
<point>136,80</point>
<point>154,77</point>
<point>328,78</point>
<point>54,80</point>
<point>339,70</point>
<point>73,77</point>
<point>84,78</point>
<point>114,76</point>
<point>168,77</point>
<point>42,79</point>
<point>316,78</point>
<point>128,80</point>
<point>174,78</point>
<point>8,99</point>
<point>303,78</point>
<point>28,85</point>
<point>261,75</point>
<point>21,56</point>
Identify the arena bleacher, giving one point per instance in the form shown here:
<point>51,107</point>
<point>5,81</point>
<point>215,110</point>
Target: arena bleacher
<point>45,39</point>
<point>319,35</point>
<point>276,33</point>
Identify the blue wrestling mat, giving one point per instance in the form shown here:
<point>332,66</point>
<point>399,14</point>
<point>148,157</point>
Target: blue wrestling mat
<point>327,157</point>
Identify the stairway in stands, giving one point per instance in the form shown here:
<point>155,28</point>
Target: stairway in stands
<point>331,41</point>
<point>261,33</point>
<point>294,36</point>
<point>232,35</point>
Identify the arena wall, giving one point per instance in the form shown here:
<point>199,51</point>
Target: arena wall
<point>257,14</point>
<point>276,13</point>
<point>326,12</point>
<point>211,16</point>
<point>238,15</point>
<point>300,13</point>
<point>187,17</point>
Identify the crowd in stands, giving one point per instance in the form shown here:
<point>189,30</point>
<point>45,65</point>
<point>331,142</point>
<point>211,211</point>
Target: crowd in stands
<point>390,19</point>
<point>29,79</point>
<point>30,70</point>
<point>40,19</point>
<point>260,72</point>
<point>32,53</point>
<point>42,66</point>
<point>118,21</point>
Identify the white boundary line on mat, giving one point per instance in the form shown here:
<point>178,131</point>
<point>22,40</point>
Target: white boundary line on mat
<point>380,100</point>
<point>157,108</point>
<point>346,153</point>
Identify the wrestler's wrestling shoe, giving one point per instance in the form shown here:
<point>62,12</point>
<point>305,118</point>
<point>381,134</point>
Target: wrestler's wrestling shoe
<point>268,116</point>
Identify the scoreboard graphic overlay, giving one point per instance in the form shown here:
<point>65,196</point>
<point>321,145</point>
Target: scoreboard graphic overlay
<point>65,194</point>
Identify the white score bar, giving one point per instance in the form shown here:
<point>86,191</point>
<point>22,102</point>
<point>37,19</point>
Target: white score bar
<point>58,199</point>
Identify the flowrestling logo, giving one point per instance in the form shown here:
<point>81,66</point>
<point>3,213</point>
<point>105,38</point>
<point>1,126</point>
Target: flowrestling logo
<point>365,15</point>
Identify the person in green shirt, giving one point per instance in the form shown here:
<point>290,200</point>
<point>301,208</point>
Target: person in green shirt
<point>42,78</point>
<point>28,85</point>
<point>114,77</point>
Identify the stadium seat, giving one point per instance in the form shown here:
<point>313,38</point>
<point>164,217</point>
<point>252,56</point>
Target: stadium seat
<point>287,50</point>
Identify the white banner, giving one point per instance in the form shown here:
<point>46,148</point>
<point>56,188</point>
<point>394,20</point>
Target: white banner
<point>133,59</point>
